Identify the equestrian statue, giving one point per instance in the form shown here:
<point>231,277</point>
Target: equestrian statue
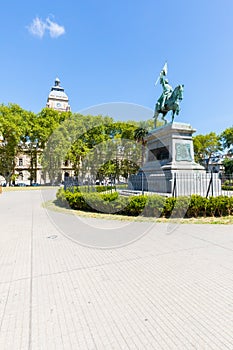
<point>169,100</point>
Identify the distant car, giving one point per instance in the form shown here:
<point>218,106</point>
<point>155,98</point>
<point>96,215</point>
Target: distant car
<point>21,184</point>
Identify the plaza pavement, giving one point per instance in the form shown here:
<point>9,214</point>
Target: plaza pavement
<point>170,289</point>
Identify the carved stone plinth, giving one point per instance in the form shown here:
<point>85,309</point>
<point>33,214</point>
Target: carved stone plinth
<point>170,149</point>
<point>170,166</point>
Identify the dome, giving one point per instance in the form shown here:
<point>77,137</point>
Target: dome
<point>58,94</point>
<point>57,91</point>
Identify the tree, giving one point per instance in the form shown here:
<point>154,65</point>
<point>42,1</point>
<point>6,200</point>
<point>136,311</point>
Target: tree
<point>205,147</point>
<point>45,123</point>
<point>228,165</point>
<point>73,140</point>
<point>55,137</point>
<point>87,145</point>
<point>49,135</point>
<point>227,138</point>
<point>14,132</point>
<point>140,136</point>
<point>99,146</point>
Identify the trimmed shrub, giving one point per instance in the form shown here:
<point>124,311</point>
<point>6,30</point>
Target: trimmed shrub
<point>227,187</point>
<point>152,206</point>
<point>219,206</point>
<point>61,198</point>
<point>180,208</point>
<point>212,206</point>
<point>229,206</point>
<point>102,188</point>
<point>102,202</point>
<point>197,206</point>
<point>136,205</point>
<point>109,197</point>
<point>168,207</point>
<point>78,202</point>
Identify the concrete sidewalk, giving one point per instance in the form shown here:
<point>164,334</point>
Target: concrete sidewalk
<point>164,291</point>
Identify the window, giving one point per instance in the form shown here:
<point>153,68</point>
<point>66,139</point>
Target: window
<point>20,161</point>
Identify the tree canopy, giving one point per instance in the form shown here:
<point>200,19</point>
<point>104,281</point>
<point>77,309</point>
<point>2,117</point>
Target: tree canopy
<point>227,138</point>
<point>106,147</point>
<point>96,146</point>
<point>228,165</point>
<point>206,146</point>
<point>14,131</point>
<point>96,143</point>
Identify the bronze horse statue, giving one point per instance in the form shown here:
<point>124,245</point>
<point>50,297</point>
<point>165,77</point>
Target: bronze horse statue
<point>171,104</point>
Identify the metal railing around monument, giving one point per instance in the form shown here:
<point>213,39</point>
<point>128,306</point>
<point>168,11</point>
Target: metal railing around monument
<point>183,184</point>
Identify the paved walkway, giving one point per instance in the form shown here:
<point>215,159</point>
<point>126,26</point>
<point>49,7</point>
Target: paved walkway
<point>164,291</point>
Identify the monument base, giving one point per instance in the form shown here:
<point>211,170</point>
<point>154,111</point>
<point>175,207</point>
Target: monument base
<point>170,163</point>
<point>170,149</point>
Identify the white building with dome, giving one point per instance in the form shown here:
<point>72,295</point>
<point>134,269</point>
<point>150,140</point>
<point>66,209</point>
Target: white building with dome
<point>57,98</point>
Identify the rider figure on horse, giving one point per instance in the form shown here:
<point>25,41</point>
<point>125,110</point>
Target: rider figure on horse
<point>169,100</point>
<point>167,89</point>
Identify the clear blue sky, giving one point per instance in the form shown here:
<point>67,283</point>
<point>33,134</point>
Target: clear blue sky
<point>112,51</point>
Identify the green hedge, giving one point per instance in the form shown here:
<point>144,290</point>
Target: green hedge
<point>228,185</point>
<point>227,188</point>
<point>150,206</point>
<point>95,188</point>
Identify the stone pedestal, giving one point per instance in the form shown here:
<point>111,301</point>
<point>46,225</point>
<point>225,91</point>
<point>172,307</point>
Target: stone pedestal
<point>170,167</point>
<point>170,149</point>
